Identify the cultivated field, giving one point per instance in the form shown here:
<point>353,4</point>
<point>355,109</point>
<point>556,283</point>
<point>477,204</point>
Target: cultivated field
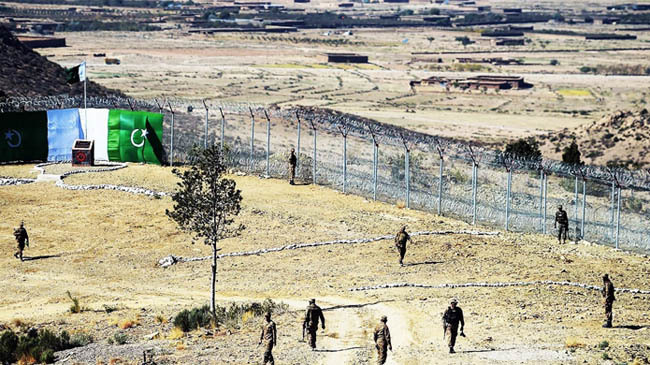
<point>103,247</point>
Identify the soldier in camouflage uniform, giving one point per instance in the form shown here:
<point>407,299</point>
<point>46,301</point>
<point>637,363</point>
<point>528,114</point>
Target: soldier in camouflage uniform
<point>382,341</point>
<point>293,160</point>
<point>312,316</point>
<point>608,294</point>
<point>562,220</point>
<point>400,243</point>
<point>269,336</point>
<point>21,238</point>
<point>452,317</point>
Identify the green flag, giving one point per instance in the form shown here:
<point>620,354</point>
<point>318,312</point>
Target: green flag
<point>23,136</point>
<point>135,136</point>
<point>72,75</point>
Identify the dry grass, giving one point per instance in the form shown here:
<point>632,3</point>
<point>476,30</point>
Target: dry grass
<point>26,360</point>
<point>128,323</point>
<point>112,262</point>
<point>573,343</point>
<point>161,319</point>
<point>175,334</point>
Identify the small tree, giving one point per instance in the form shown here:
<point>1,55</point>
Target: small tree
<point>206,203</point>
<point>524,148</point>
<point>571,154</point>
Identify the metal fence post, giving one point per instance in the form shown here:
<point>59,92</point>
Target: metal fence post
<point>250,165</point>
<point>268,143</point>
<point>618,216</point>
<point>584,207</point>
<point>541,200</point>
<point>611,211</point>
<point>545,201</point>
<point>407,176</point>
<point>442,162</point>
<point>474,187</point>
<point>508,199</point>
<point>223,128</point>
<point>205,142</point>
<point>575,210</point>
<point>375,163</point>
<point>345,163</point>
<point>171,147</point>
<point>298,144</point>
<point>313,127</point>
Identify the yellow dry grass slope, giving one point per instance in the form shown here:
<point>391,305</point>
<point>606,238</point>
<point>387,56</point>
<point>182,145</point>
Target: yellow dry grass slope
<point>104,246</point>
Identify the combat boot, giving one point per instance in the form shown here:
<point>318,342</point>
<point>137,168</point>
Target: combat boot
<point>607,325</point>
<point>451,350</point>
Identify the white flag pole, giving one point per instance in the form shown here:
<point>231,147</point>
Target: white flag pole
<point>85,106</point>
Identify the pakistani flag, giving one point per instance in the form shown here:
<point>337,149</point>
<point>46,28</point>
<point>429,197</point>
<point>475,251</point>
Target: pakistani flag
<point>135,136</point>
<point>23,136</point>
<point>76,74</point>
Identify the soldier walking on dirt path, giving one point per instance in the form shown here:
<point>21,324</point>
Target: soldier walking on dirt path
<point>608,294</point>
<point>562,220</point>
<point>21,238</point>
<point>453,315</point>
<point>293,160</point>
<point>312,316</point>
<point>400,243</point>
<point>269,337</point>
<point>382,341</point>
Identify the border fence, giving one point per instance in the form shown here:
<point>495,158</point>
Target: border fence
<point>609,206</point>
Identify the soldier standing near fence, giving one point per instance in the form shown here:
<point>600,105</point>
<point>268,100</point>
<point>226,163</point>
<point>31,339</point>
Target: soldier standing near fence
<point>269,336</point>
<point>450,320</point>
<point>293,160</point>
<point>562,220</point>
<point>21,238</point>
<point>400,243</point>
<point>608,294</point>
<point>382,341</point>
<point>312,316</point>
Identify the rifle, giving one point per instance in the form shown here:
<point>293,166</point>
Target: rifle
<point>444,330</point>
<point>304,327</point>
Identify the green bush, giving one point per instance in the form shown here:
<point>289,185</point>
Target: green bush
<point>39,345</point>
<point>80,339</point>
<point>603,345</point>
<point>8,344</point>
<point>47,356</point>
<point>118,338</point>
<point>188,320</point>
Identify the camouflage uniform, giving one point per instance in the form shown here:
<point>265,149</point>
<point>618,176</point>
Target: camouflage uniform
<point>21,238</point>
<point>608,294</point>
<point>312,316</point>
<point>293,160</point>
<point>450,320</point>
<point>562,220</point>
<point>400,243</point>
<point>269,336</point>
<point>382,341</point>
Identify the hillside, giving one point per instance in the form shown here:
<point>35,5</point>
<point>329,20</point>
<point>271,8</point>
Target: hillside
<point>26,73</point>
<point>112,269</point>
<point>621,137</point>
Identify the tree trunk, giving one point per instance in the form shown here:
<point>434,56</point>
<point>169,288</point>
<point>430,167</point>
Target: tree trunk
<point>214,280</point>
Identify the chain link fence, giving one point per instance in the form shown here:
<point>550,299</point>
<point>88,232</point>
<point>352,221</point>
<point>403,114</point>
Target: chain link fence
<point>378,161</point>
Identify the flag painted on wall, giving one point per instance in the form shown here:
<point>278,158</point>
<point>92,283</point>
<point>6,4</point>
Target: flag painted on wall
<point>95,127</point>
<point>63,128</point>
<point>135,136</point>
<point>23,136</point>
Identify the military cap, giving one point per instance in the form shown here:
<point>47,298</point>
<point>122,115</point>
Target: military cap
<point>384,318</point>
<point>453,300</point>
<point>312,301</point>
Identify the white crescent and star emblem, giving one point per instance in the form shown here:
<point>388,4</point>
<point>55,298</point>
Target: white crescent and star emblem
<point>143,135</point>
<point>14,138</point>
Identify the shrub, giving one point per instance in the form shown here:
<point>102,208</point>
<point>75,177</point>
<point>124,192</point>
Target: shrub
<point>118,338</point>
<point>603,345</point>
<point>80,339</point>
<point>8,344</point>
<point>606,356</point>
<point>47,356</point>
<point>554,62</point>
<point>75,307</point>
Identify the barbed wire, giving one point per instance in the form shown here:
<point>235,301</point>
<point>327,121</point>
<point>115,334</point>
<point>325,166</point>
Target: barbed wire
<point>332,121</point>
